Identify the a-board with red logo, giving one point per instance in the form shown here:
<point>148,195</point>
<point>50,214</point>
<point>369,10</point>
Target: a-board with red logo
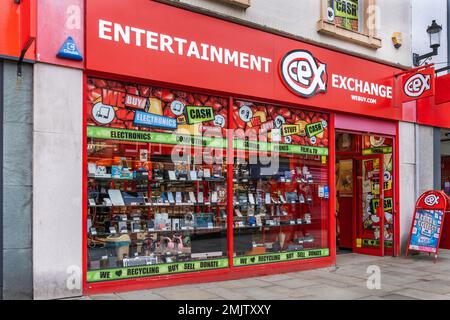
<point>428,222</point>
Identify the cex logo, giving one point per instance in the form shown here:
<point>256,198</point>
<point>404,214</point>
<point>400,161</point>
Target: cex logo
<point>303,74</point>
<point>417,85</point>
<point>431,200</point>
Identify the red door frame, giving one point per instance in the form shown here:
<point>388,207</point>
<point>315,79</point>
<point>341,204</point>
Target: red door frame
<point>230,272</point>
<point>396,175</point>
<point>347,156</point>
<point>369,251</point>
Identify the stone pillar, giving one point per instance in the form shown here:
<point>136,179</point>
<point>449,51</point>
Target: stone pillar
<point>57,164</point>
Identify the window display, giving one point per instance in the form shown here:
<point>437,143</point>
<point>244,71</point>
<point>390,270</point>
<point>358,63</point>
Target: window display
<point>281,197</point>
<point>157,182</point>
<point>153,207</point>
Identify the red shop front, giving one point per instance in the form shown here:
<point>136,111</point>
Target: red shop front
<point>211,156</point>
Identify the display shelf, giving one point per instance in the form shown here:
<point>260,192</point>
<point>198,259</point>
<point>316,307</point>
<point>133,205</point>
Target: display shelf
<point>155,205</point>
<point>275,181</point>
<point>190,231</point>
<point>156,180</point>
<point>200,230</point>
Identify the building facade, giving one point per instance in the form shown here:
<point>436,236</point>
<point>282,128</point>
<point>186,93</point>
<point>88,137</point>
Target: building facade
<point>105,101</point>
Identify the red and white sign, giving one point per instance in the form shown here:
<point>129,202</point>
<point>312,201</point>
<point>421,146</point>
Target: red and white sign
<point>302,73</point>
<point>432,200</point>
<point>170,45</point>
<point>418,85</point>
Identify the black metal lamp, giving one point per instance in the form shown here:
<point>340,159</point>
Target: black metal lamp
<point>435,42</point>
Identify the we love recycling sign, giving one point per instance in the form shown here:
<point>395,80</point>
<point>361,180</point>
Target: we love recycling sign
<point>281,257</point>
<point>154,270</point>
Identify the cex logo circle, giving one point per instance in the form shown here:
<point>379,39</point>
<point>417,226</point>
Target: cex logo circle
<point>303,74</point>
<point>431,200</point>
<point>417,85</point>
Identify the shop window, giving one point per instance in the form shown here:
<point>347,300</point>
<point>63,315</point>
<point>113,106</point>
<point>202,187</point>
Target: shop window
<point>282,196</point>
<point>156,200</point>
<point>352,20</point>
<point>158,179</point>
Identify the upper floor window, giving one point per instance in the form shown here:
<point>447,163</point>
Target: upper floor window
<point>353,20</point>
<point>345,13</point>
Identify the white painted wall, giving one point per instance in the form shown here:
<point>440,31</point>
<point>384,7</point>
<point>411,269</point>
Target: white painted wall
<point>423,13</point>
<point>57,177</point>
<point>416,172</point>
<point>407,158</point>
<point>300,18</point>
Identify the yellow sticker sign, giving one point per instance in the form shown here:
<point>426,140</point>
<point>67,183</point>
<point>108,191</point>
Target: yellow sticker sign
<point>358,243</point>
<point>388,205</point>
<point>290,129</point>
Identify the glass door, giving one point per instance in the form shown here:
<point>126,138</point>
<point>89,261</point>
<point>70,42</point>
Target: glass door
<point>369,226</point>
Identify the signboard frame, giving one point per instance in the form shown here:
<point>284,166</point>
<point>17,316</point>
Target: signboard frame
<point>432,200</point>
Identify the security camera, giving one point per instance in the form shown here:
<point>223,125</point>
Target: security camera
<point>330,14</point>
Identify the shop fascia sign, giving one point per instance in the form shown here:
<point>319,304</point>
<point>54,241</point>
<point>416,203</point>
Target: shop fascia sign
<point>173,45</point>
<point>301,72</point>
<point>203,52</point>
<point>306,76</point>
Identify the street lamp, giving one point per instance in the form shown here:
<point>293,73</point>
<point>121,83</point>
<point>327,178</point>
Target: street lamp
<point>435,42</point>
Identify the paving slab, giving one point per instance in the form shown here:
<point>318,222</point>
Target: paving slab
<point>175,293</point>
<point>276,277</point>
<point>244,283</point>
<point>414,277</point>
<point>326,292</point>
<point>371,298</point>
<point>434,286</point>
<point>422,295</point>
<point>226,294</point>
<point>140,295</point>
<point>110,296</point>
<point>394,296</point>
<point>260,293</point>
<point>296,283</point>
<point>335,283</point>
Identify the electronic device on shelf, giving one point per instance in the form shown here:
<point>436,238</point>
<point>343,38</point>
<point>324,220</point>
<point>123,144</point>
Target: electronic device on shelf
<point>140,175</point>
<point>133,198</point>
<point>291,197</point>
<point>116,197</point>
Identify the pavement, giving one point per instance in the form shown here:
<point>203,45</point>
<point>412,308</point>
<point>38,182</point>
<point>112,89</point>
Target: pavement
<point>412,278</point>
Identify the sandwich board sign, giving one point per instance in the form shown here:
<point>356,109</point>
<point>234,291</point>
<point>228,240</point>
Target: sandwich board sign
<point>428,222</point>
